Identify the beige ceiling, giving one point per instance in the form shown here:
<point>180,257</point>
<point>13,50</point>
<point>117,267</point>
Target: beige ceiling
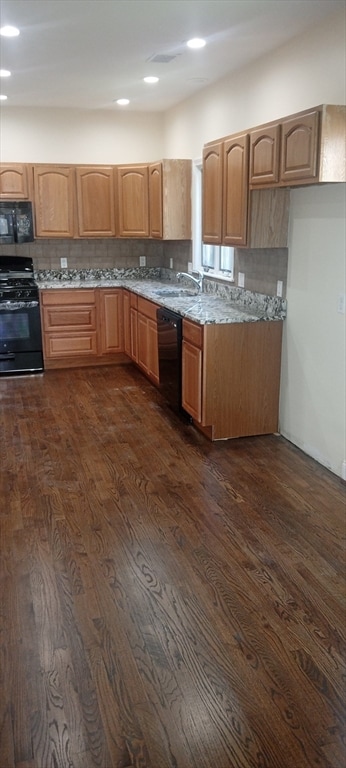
<point>87,53</point>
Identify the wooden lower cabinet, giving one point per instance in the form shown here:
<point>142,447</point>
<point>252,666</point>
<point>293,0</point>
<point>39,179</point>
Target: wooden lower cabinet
<point>81,327</point>
<point>110,316</point>
<point>148,358</point>
<point>231,377</point>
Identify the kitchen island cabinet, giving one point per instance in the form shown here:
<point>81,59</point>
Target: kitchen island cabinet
<point>231,377</point>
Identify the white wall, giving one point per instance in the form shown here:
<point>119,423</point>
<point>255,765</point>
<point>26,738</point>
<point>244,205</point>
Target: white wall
<point>302,74</point>
<point>312,413</point>
<point>79,136</point>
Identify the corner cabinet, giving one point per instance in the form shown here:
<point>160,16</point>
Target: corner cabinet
<point>232,215</point>
<point>231,377</point>
<point>132,192</point>
<point>82,326</point>
<point>14,181</point>
<point>170,199</point>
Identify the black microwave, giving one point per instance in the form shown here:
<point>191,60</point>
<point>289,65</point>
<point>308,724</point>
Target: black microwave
<point>16,222</point>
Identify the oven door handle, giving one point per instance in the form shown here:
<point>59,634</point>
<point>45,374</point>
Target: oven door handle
<point>12,306</point>
<point>7,356</point>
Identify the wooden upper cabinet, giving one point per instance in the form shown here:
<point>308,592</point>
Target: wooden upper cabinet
<point>14,183</point>
<point>299,148</point>
<point>235,189</point>
<point>212,176</point>
<point>265,155</point>
<point>155,200</point>
<point>54,196</point>
<point>133,200</point>
<point>95,201</point>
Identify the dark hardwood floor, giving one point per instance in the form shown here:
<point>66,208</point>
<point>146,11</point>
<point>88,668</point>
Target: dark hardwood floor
<point>165,602</point>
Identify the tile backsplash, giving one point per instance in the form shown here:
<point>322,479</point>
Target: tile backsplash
<point>262,267</point>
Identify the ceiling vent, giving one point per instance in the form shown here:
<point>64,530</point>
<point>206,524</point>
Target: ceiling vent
<point>162,58</point>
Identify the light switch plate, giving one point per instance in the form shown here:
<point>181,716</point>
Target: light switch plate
<point>171,263</point>
<point>241,279</point>
<point>279,287</point>
<point>142,261</point>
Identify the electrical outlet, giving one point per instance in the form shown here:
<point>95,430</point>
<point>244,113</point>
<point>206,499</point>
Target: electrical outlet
<point>241,279</point>
<point>171,263</point>
<point>63,263</point>
<point>279,287</point>
<point>142,261</point>
<point>341,303</point>
<point>189,266</point>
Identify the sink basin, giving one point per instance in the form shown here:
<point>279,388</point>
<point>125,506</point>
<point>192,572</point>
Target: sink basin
<point>178,292</point>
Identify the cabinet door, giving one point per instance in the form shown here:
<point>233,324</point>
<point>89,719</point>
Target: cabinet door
<point>95,201</point>
<point>155,200</point>
<point>133,200</point>
<point>299,148</point>
<point>53,195</point>
<point>127,323</point>
<point>134,333</point>
<point>235,190</point>
<point>192,380</point>
<point>212,193</point>
<point>143,349</point>
<point>153,357</point>
<point>111,320</point>
<point>265,155</point>
<point>14,182</point>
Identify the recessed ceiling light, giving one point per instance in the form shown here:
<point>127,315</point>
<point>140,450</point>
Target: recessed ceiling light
<point>5,73</point>
<point>196,42</point>
<point>9,31</point>
<point>123,102</point>
<point>151,79</point>
<point>2,97</point>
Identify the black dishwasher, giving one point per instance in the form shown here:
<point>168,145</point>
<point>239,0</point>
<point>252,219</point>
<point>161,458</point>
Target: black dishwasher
<point>170,337</point>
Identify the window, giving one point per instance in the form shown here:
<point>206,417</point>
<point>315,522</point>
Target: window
<point>214,260</point>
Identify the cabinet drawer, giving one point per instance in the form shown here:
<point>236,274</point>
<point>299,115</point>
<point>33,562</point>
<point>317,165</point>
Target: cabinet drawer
<point>69,318</point>
<point>193,332</point>
<point>69,297</point>
<point>147,308</point>
<point>66,345</point>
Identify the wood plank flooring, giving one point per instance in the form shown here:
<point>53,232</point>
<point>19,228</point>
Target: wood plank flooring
<point>165,602</point>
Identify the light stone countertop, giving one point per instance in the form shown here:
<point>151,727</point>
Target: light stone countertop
<point>214,305</point>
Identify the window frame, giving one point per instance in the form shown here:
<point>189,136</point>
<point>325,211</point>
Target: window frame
<point>198,247</point>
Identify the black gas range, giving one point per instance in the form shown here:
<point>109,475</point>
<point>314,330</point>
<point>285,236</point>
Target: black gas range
<point>20,321</point>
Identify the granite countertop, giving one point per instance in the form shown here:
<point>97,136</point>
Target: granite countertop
<point>216,304</point>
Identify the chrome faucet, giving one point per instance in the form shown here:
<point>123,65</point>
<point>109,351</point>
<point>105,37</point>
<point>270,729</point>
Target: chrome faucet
<point>196,280</point>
